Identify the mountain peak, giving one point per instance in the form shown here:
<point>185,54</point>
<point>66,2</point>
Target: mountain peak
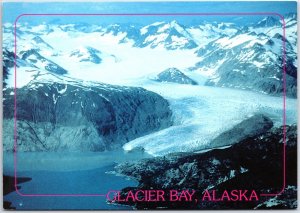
<point>290,16</point>
<point>174,22</point>
<point>269,21</point>
<point>87,54</point>
<point>177,25</point>
<point>174,75</point>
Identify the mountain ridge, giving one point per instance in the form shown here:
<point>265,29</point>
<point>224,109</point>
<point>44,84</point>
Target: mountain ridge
<point>224,51</point>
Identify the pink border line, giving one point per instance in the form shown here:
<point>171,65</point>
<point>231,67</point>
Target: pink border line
<point>149,14</point>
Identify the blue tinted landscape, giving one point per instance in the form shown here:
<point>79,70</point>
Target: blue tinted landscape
<point>138,102</point>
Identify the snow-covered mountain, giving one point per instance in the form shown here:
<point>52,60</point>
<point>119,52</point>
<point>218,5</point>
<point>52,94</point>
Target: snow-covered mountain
<point>174,75</point>
<point>167,35</point>
<point>252,58</point>
<point>36,60</point>
<point>88,54</point>
<point>90,59</point>
<point>245,57</point>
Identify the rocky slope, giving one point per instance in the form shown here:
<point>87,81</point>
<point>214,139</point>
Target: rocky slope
<point>56,116</point>
<point>255,163</point>
<point>252,58</point>
<point>251,127</point>
<point>175,76</point>
<point>36,60</point>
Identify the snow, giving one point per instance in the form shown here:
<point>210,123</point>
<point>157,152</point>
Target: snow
<point>216,162</point>
<point>54,98</point>
<point>163,32</point>
<point>229,43</point>
<point>198,114</point>
<point>163,28</point>
<point>129,65</point>
<point>232,174</point>
<point>180,29</point>
<point>23,77</point>
<point>156,39</point>
<point>274,77</point>
<point>243,170</point>
<point>144,30</point>
<point>256,41</point>
<point>157,23</point>
<point>121,62</point>
<point>277,48</point>
<point>176,41</point>
<point>247,57</point>
<point>7,25</point>
<point>199,36</point>
<point>207,33</point>
<point>38,28</point>
<point>103,97</point>
<point>208,71</point>
<point>291,34</point>
<point>258,64</point>
<point>63,90</point>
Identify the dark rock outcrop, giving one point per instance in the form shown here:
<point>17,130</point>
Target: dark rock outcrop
<point>285,200</point>
<point>251,127</point>
<point>55,116</point>
<point>175,76</point>
<point>9,183</point>
<point>8,62</point>
<point>9,186</point>
<point>255,163</point>
<point>32,56</point>
<point>7,205</point>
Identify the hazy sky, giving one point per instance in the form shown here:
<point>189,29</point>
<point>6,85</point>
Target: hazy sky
<point>12,10</point>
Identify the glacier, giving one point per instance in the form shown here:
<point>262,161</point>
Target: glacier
<point>201,113</point>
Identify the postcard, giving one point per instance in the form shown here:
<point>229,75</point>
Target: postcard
<point>149,105</point>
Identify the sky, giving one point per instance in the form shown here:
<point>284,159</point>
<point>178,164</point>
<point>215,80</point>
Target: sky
<point>11,10</point>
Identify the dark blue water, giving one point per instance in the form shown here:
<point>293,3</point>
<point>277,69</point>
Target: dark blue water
<point>65,180</point>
